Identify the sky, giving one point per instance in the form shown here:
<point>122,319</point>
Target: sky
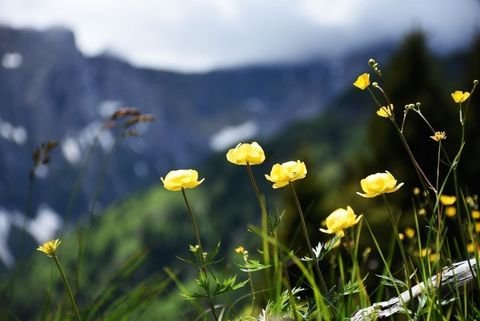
<point>201,35</point>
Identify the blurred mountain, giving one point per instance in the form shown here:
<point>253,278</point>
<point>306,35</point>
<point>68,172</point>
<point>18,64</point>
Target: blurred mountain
<point>50,91</point>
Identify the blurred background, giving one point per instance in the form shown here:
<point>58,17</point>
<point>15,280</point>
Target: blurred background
<point>212,73</point>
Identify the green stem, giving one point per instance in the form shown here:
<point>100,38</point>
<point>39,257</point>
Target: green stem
<point>423,178</point>
<point>195,226</point>
<point>307,239</point>
<point>385,263</point>
<point>250,279</point>
<point>397,238</point>
<point>374,97</point>
<point>284,268</point>
<point>438,164</point>
<point>421,175</point>
<point>91,211</point>
<point>425,120</point>
<point>203,268</point>
<point>263,209</point>
<point>79,180</point>
<point>67,286</point>
<point>99,185</point>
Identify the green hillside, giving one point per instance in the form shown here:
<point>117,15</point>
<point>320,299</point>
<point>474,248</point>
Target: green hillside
<point>342,145</point>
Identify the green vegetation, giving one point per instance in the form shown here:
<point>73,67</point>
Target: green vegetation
<point>411,225</point>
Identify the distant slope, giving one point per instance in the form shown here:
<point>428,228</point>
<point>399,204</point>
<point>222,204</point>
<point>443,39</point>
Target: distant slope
<point>49,90</point>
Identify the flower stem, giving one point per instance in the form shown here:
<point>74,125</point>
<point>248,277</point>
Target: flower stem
<point>263,209</point>
<point>397,238</point>
<point>203,269</point>
<point>67,286</point>
<point>250,279</point>
<point>421,175</point>
<point>194,223</point>
<point>307,239</point>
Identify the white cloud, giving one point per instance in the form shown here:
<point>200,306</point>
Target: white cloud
<point>203,34</point>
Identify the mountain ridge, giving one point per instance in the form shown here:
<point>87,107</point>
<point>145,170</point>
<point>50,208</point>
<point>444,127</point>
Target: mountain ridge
<point>49,90</point>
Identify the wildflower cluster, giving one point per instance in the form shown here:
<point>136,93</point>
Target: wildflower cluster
<point>282,175</point>
<point>425,241</point>
<point>380,183</point>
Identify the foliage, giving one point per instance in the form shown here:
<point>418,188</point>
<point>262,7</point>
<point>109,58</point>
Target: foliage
<point>114,261</point>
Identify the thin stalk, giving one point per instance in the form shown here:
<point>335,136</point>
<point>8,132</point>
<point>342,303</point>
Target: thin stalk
<point>421,175</point>
<point>291,298</point>
<point>423,178</point>
<point>405,113</point>
<point>399,242</point>
<point>307,239</point>
<point>195,225</point>
<point>454,165</point>
<point>67,286</point>
<point>386,265</point>
<point>79,180</point>
<point>374,97</point>
<point>419,113</point>
<point>438,164</point>
<point>250,279</point>
<point>439,212</point>
<point>263,209</point>
<point>99,185</point>
<point>91,211</point>
<point>321,306</point>
<point>203,269</point>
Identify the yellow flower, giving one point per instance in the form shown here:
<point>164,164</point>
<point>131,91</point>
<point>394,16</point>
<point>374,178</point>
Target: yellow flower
<point>182,178</point>
<point>240,250</point>
<point>409,232</point>
<point>339,220</point>
<point>438,136</point>
<point>451,211</point>
<point>379,183</point>
<point>470,201</point>
<point>385,111</point>
<point>422,211</point>
<point>447,200</point>
<point>460,96</point>
<point>434,257</point>
<point>425,251</point>
<point>282,174</point>
<point>363,81</point>
<point>471,247</point>
<point>477,227</point>
<point>49,247</point>
<point>416,191</point>
<point>246,153</point>
<point>401,237</point>
<point>475,214</point>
